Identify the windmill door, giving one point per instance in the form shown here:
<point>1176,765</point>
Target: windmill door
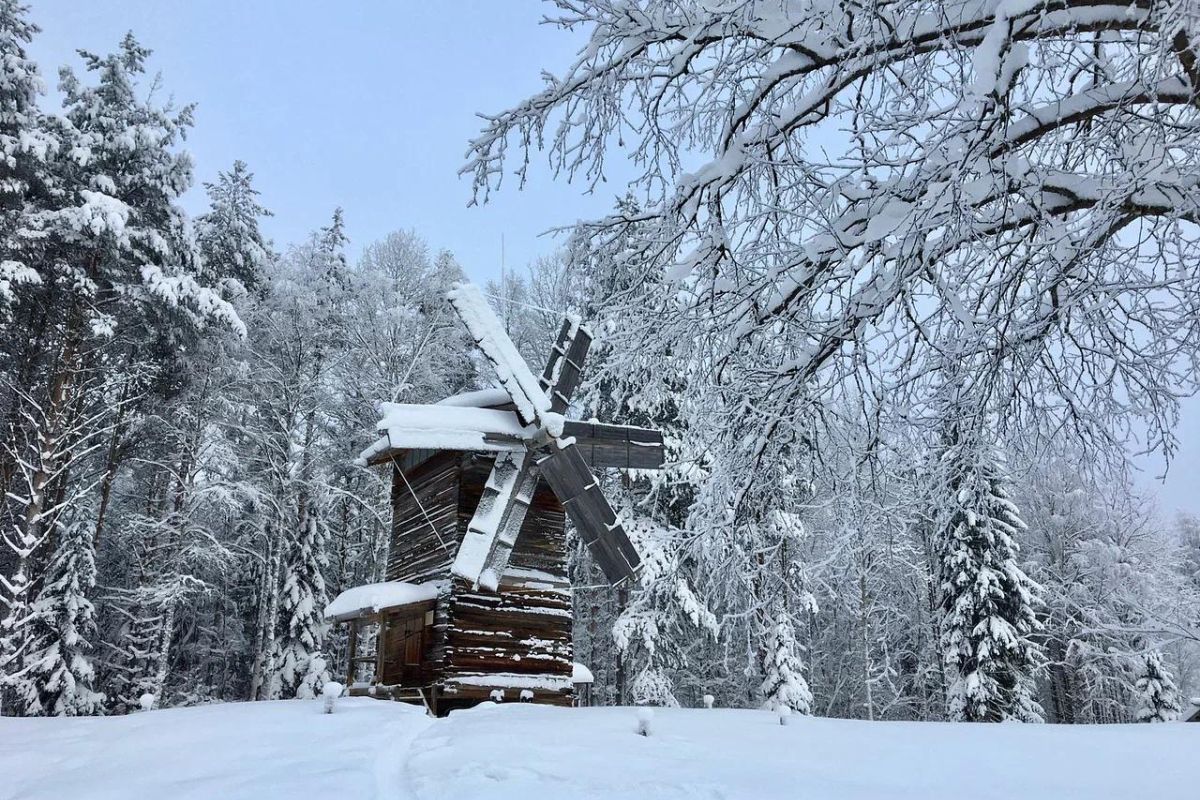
<point>404,650</point>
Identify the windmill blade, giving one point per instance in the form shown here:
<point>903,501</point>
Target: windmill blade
<point>511,369</point>
<point>492,532</point>
<point>569,477</point>
<point>622,446</point>
<point>561,376</point>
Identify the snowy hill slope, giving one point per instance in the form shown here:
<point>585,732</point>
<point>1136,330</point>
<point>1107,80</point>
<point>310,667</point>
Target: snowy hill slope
<point>371,749</point>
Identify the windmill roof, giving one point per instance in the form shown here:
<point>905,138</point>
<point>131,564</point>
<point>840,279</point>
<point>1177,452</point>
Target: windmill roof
<point>478,398</point>
<point>446,427</point>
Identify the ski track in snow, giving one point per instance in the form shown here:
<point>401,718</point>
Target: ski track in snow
<point>393,777</point>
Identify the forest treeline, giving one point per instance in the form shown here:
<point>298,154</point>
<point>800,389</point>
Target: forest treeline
<point>183,402</point>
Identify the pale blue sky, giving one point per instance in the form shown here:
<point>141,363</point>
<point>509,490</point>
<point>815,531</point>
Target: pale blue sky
<point>369,105</point>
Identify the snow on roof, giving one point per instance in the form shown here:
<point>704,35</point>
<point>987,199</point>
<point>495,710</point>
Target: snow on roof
<point>381,445</point>
<point>581,674</point>
<point>480,398</point>
<point>373,597</point>
<point>489,334</point>
<point>439,427</point>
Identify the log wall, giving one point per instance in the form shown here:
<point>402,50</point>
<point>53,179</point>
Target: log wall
<point>424,541</point>
<point>419,551</point>
<point>520,637</point>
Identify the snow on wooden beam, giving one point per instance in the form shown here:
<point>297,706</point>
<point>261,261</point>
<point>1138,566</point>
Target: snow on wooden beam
<point>479,398</point>
<point>411,427</point>
<point>514,680</point>
<point>492,531</point>
<point>510,367</point>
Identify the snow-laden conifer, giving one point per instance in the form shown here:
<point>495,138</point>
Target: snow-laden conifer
<point>301,668</point>
<point>26,144</point>
<point>987,601</point>
<point>61,668</point>
<point>783,684</point>
<point>1157,695</point>
<point>231,244</point>
<point>652,687</point>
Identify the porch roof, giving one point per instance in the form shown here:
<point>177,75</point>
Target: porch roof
<point>363,601</point>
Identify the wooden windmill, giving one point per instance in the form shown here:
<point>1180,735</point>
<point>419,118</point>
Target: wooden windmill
<point>477,604</point>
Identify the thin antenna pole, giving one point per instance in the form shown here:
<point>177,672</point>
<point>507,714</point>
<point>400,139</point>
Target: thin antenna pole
<point>504,286</point>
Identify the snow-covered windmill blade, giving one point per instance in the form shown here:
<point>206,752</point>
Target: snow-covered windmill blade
<point>572,480</point>
<point>526,393</point>
<point>492,532</point>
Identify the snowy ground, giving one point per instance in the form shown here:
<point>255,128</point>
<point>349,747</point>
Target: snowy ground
<point>375,749</point>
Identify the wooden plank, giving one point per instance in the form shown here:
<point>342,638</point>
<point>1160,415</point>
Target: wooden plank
<point>621,446</point>
<point>557,351</point>
<point>570,370</point>
<point>424,520</point>
<point>565,365</point>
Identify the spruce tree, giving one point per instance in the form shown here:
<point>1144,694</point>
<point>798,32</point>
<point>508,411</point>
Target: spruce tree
<point>1157,695</point>
<point>231,244</point>
<point>61,669</point>
<point>783,684</point>
<point>301,667</point>
<point>26,143</point>
<point>987,600</point>
<point>26,146</point>
<point>652,687</point>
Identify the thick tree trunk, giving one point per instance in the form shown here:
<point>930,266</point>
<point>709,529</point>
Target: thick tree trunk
<point>1062,701</point>
<point>268,609</point>
<point>112,462</point>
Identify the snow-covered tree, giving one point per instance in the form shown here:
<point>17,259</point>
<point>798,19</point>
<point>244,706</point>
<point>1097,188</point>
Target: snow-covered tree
<point>783,682</point>
<point>797,248</point>
<point>231,243</point>
<point>61,669</point>
<point>26,143</point>
<point>794,118</point>
<point>300,663</point>
<point>1157,696</point>
<point>988,603</point>
<point>652,687</point>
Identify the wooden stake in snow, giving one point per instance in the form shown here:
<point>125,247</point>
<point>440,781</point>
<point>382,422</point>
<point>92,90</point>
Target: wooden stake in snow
<point>331,691</point>
<point>645,716</point>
